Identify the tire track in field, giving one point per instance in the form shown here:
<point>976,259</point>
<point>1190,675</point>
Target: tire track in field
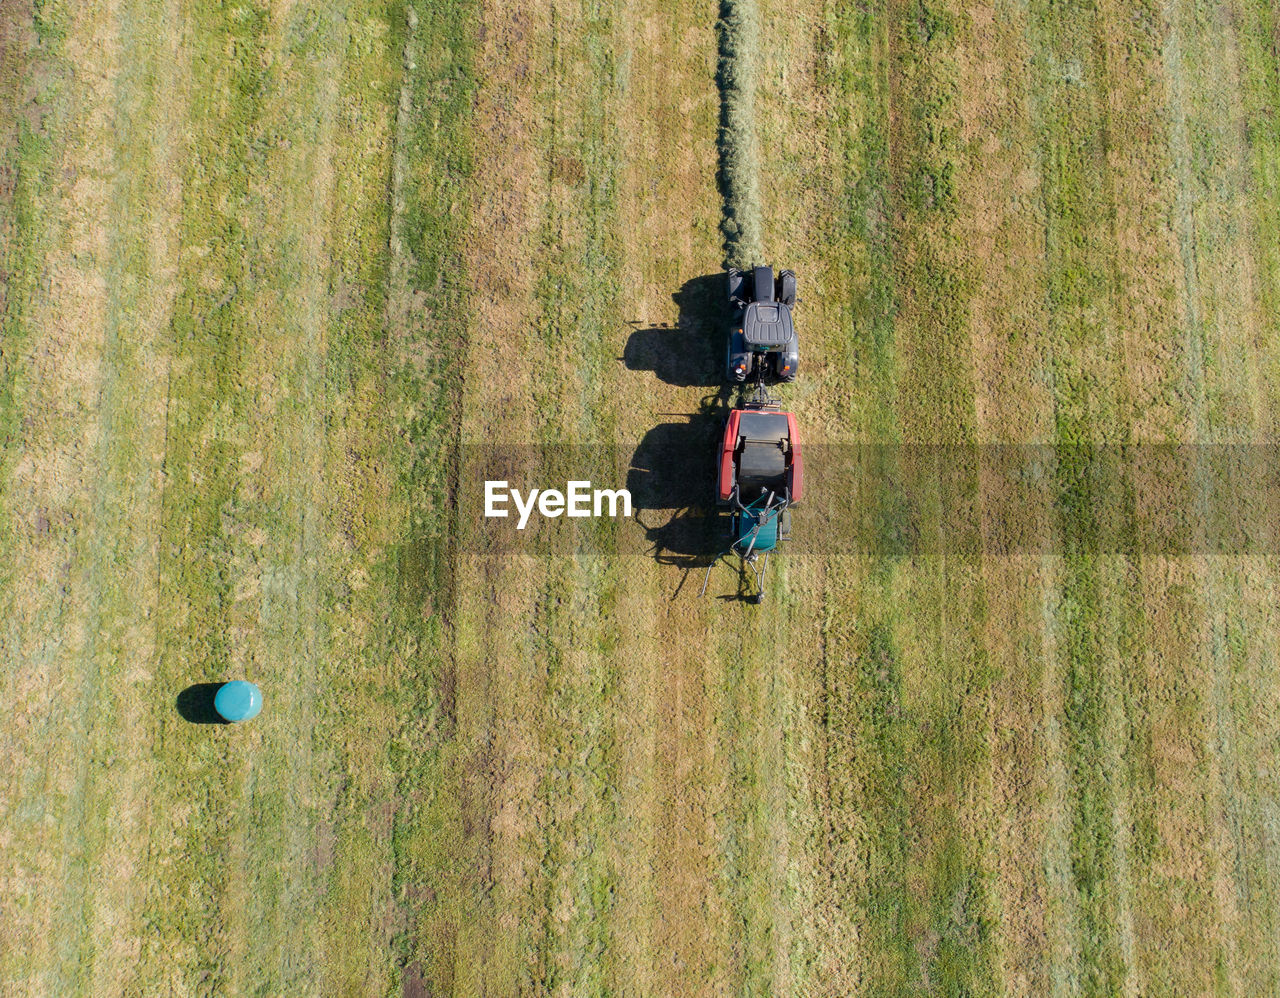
<point>1008,330</point>
<point>1222,208</point>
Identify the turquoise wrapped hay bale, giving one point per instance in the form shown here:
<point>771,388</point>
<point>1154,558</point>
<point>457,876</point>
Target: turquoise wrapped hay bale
<point>238,700</point>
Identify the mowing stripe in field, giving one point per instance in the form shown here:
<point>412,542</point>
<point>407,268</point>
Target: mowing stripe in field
<point>665,366</point>
<point>535,669</point>
<point>1008,329</point>
<point>857,850</point>
<point>1248,633</point>
<point>428,329</point>
<point>198,849</point>
<point>1166,848</point>
<point>939,606</point>
<point>1088,882</point>
<point>915,887</point>
<point>40,459</point>
<point>1231,68</point>
<point>91,451</point>
<point>239,845</point>
<point>491,767</point>
<point>1256,26</point>
<point>139,264</point>
<point>571,947</point>
<point>803,937</point>
<point>767,728</point>
<point>239,543</point>
<point>1191,945</point>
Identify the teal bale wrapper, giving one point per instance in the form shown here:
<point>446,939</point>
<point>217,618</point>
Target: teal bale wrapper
<point>238,701</point>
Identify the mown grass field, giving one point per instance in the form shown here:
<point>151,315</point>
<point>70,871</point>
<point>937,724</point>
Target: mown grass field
<point>271,272</point>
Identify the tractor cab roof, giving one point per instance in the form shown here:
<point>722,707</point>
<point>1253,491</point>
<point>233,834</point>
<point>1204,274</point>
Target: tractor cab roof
<point>767,325</point>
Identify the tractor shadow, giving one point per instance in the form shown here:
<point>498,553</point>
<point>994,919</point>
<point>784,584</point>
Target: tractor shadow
<point>195,704</point>
<point>690,353</point>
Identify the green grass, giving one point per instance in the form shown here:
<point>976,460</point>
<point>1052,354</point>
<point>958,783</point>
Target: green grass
<point>460,787</point>
<point>904,854</point>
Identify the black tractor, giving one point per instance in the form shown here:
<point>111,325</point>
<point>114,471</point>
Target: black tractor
<point>762,338</point>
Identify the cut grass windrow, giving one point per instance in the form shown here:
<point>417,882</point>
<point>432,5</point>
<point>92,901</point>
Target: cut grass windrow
<point>738,32</point>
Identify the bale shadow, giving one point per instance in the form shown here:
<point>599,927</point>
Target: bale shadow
<point>689,354</point>
<point>195,704</point>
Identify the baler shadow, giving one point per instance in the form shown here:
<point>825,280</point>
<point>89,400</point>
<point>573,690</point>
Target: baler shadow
<point>195,704</point>
<point>690,353</point>
<point>672,486</point>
